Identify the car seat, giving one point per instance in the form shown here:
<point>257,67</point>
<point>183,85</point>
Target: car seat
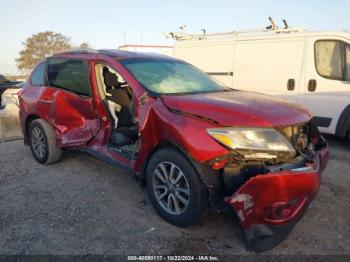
<point>125,131</point>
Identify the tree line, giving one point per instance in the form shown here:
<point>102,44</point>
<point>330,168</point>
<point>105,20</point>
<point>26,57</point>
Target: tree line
<point>41,45</point>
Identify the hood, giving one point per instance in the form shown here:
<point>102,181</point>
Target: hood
<point>239,108</point>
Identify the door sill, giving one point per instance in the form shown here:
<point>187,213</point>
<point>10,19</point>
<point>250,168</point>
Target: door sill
<point>109,160</point>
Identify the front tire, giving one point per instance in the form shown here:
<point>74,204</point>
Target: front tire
<point>42,141</point>
<point>175,189</point>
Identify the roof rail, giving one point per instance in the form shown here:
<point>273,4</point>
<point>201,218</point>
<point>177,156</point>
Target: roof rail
<point>77,51</point>
<point>178,36</point>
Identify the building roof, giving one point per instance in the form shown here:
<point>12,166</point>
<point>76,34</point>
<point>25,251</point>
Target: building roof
<point>147,46</point>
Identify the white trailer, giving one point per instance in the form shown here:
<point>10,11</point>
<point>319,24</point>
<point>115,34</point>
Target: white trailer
<point>159,49</point>
<point>310,68</point>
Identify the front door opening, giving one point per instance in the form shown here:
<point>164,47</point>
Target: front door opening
<point>118,98</point>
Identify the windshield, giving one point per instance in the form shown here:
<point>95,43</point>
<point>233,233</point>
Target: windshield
<point>171,77</point>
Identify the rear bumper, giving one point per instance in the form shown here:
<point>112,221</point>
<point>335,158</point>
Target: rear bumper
<point>269,205</point>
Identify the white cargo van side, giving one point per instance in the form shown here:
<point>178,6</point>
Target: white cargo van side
<point>309,68</point>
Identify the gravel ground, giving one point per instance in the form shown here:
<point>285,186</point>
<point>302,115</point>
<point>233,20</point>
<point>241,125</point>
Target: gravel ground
<point>84,206</point>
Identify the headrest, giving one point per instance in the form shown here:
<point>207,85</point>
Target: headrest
<point>110,79</point>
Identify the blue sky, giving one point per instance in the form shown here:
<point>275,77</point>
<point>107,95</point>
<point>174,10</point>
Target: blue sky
<point>103,23</point>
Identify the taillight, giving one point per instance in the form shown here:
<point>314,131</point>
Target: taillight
<point>281,212</point>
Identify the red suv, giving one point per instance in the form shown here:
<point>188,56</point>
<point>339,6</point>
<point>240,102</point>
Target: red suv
<point>199,145</point>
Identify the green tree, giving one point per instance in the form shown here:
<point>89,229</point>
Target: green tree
<point>85,45</point>
<point>41,45</point>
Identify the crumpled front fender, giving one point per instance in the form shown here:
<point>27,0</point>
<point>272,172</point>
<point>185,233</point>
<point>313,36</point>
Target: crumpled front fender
<point>269,205</point>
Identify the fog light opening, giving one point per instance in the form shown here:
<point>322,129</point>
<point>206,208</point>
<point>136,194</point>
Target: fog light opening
<point>281,212</point>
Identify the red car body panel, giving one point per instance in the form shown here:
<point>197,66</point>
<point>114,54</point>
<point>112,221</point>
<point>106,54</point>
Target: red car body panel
<point>290,191</point>
<point>240,108</point>
<point>74,117</point>
<point>84,123</point>
<point>158,125</point>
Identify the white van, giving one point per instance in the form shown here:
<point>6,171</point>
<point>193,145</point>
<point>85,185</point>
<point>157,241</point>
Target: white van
<point>309,68</point>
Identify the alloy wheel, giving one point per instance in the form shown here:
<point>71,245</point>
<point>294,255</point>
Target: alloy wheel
<point>171,188</point>
<point>38,142</point>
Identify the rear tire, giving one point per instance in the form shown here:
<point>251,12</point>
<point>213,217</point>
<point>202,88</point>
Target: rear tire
<point>42,141</point>
<point>175,189</point>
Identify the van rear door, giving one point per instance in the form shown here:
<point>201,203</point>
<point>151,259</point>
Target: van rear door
<point>271,66</point>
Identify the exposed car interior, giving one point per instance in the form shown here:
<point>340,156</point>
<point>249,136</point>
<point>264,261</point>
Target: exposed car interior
<point>118,98</point>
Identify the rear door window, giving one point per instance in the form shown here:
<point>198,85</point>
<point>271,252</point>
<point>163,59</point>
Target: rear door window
<point>69,74</point>
<point>347,64</point>
<point>328,59</point>
<point>38,76</point>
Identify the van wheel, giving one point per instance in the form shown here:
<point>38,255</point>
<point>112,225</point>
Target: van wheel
<point>175,189</point>
<point>42,141</point>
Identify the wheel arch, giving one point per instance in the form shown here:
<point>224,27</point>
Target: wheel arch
<point>29,120</point>
<point>160,145</point>
<point>211,178</point>
<point>343,125</point>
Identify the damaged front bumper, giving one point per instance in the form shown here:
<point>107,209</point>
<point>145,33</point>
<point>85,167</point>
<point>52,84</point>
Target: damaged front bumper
<point>269,205</point>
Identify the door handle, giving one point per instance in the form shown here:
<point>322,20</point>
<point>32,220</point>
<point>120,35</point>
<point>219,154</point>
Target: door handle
<point>312,85</point>
<point>291,84</point>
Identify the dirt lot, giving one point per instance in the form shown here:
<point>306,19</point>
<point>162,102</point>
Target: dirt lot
<point>84,206</point>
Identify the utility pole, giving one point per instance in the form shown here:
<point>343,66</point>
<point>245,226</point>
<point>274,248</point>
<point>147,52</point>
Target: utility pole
<point>124,38</point>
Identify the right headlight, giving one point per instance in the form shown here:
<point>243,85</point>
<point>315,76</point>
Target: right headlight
<point>254,143</point>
